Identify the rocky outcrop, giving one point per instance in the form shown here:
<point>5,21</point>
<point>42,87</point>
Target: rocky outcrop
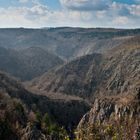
<point>112,112</point>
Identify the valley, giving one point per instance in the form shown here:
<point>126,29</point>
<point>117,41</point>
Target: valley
<point>69,83</point>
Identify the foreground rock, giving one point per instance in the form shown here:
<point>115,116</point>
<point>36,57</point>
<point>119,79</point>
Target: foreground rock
<point>112,118</point>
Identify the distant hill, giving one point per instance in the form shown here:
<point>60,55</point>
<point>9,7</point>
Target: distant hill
<point>116,72</point>
<point>27,63</point>
<point>66,42</point>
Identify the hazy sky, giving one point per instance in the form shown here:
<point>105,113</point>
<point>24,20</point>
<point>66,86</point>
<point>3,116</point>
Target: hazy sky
<point>82,13</point>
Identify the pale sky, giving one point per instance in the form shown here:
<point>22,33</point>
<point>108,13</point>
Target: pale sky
<point>75,13</point>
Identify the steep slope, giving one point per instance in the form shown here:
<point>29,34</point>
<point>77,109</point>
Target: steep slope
<point>117,116</point>
<point>27,63</point>
<point>113,117</point>
<point>66,42</point>
<point>43,104</point>
<point>71,79</point>
<point>113,73</point>
<point>37,61</point>
<point>122,72</point>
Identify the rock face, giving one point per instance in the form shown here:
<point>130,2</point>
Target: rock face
<point>112,117</point>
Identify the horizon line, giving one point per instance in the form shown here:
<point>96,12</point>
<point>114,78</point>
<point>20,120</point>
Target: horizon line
<point>51,27</point>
